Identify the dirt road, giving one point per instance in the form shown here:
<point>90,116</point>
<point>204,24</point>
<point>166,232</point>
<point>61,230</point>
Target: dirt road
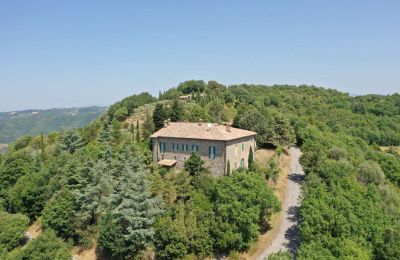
<point>287,237</point>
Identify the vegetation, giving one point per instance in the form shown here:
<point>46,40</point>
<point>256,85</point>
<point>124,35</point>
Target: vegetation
<point>99,181</point>
<point>34,122</point>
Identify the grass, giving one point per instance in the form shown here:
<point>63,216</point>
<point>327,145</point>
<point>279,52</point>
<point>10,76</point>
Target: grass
<point>386,148</point>
<point>279,188</point>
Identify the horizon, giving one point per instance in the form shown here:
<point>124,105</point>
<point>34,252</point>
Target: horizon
<point>64,54</point>
<point>156,95</point>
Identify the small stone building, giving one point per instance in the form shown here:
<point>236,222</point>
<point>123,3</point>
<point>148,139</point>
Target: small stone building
<point>216,144</point>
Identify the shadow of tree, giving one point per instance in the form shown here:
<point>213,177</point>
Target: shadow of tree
<point>295,177</point>
<point>292,234</point>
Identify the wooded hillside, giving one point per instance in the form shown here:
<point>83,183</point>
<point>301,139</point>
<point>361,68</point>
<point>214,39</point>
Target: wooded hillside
<point>98,183</point>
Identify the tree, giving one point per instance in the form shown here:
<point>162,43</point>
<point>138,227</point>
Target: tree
<point>59,213</point>
<point>148,127</point>
<point>45,247</point>
<point>251,200</point>
<point>134,208</point>
<point>159,116</point>
<point>12,230</point>
<point>284,132</point>
<point>15,165</point>
<point>29,194</point>
<point>194,165</point>
<point>176,111</point>
<point>251,159</point>
<point>71,141</point>
<point>137,131</point>
<point>216,110</point>
<point>121,113</point>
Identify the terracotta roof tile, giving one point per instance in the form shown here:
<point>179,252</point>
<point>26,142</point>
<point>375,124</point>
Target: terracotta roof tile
<point>201,131</point>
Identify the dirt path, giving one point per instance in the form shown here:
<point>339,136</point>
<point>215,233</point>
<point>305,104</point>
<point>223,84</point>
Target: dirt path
<point>287,236</point>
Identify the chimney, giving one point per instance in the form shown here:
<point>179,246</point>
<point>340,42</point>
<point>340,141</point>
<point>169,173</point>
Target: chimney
<point>168,121</point>
<point>165,123</point>
<point>200,122</point>
<point>209,126</point>
<point>228,127</point>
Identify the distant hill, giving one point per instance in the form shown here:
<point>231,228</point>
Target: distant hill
<point>33,122</point>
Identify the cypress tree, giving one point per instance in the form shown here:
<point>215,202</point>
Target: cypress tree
<point>251,159</point>
<point>42,145</point>
<point>148,127</point>
<point>159,115</point>
<point>137,131</point>
<point>177,111</point>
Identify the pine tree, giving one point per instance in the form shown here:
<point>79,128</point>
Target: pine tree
<point>132,207</point>
<point>104,133</point>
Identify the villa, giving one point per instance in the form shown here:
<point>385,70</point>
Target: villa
<point>217,145</point>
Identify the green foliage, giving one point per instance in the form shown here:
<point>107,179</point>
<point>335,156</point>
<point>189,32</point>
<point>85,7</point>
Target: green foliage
<point>241,202</point>
<point>14,166</point>
<point>191,86</point>
<point>22,142</point>
<point>176,111</point>
<point>370,172</point>
<point>29,194</point>
<point>194,164</point>
<point>159,116</point>
<point>251,159</point>
<point>281,255</point>
<point>25,123</point>
<point>46,247</point>
<point>148,127</point>
<point>132,214</point>
<point>12,230</point>
<point>59,213</point>
<point>71,141</point>
<point>128,105</point>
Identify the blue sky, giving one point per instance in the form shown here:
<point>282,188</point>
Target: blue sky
<point>78,53</point>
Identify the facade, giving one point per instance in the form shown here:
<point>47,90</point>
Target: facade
<point>216,144</point>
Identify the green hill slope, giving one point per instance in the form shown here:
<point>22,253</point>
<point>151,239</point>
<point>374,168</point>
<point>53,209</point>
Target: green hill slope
<point>33,122</point>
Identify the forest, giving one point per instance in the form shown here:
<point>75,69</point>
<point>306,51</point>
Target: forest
<point>98,185</point>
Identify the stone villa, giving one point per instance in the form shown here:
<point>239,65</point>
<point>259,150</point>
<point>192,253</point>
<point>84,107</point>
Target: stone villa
<point>216,144</point>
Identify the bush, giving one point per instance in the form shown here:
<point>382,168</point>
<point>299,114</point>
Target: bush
<point>46,247</point>
<point>370,172</point>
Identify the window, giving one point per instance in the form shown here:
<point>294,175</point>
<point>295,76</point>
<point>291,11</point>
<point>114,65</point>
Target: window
<point>236,150</point>
<point>162,147</point>
<point>185,147</point>
<point>175,147</point>
<point>242,163</point>
<point>195,147</point>
<point>243,146</point>
<point>212,152</point>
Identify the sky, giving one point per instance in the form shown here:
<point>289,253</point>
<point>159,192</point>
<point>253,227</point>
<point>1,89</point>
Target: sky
<point>80,53</point>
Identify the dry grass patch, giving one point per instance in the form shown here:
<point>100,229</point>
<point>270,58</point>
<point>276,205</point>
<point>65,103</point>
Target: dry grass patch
<point>279,188</point>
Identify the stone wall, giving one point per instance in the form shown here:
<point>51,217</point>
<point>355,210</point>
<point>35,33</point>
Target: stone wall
<point>216,166</point>
<point>225,150</point>
<point>235,152</point>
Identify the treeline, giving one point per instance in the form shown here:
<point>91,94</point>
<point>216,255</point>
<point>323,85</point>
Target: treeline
<point>99,183</point>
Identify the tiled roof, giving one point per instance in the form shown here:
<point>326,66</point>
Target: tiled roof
<point>201,131</point>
